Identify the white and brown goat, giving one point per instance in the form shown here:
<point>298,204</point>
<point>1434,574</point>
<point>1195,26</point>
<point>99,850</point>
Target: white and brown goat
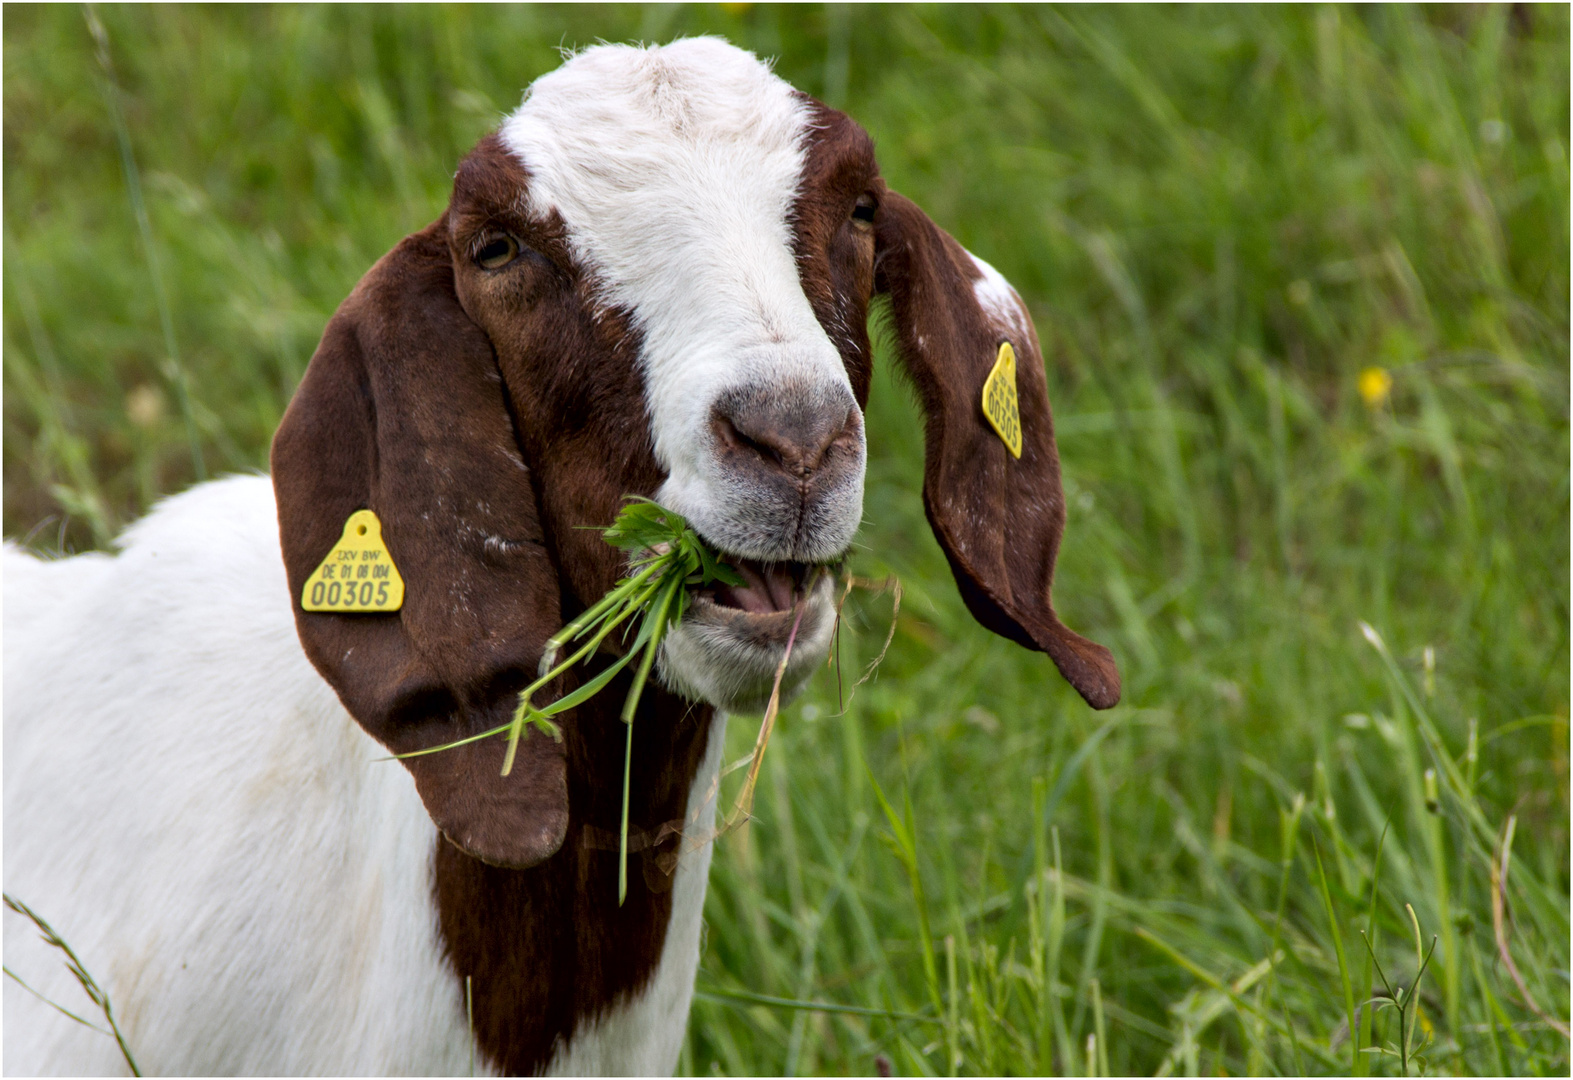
<point>653,279</point>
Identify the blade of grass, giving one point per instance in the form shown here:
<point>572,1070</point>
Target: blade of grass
<point>56,1006</point>
<point>1357,1066</point>
<point>1412,996</point>
<point>1288,837</point>
<point>1500,864</point>
<point>891,583</point>
<point>905,847</point>
<point>656,620</point>
<point>1099,1031</point>
<point>174,370</point>
<point>612,618</point>
<point>593,614</point>
<point>75,966</point>
<point>1231,992</point>
<point>952,1009</point>
<point>1036,895</point>
<point>1055,943</point>
<point>743,807</point>
<point>1363,1033</point>
<point>714,993</point>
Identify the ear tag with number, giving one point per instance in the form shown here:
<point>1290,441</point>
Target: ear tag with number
<point>999,400</point>
<point>358,574</point>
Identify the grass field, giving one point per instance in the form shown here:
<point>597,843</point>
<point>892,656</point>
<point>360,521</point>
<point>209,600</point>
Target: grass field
<point>1302,279</point>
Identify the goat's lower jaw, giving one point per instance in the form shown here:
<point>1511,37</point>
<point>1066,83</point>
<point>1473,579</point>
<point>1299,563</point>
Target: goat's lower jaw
<point>727,655</point>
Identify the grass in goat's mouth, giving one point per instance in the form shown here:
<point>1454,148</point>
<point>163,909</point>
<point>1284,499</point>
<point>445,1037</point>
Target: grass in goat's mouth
<point>667,561</point>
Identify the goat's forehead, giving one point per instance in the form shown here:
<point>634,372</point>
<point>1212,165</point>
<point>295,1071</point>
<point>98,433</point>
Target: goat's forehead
<point>632,146</point>
<point>696,89</point>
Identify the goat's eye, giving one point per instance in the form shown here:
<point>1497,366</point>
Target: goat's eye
<point>863,212</point>
<point>498,253</point>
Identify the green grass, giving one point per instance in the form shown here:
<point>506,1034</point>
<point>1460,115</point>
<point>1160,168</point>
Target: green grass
<point>1220,218</point>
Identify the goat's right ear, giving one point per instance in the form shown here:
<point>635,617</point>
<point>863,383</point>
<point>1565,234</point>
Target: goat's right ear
<point>402,411</point>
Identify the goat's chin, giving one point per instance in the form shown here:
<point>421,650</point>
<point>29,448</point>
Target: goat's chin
<point>728,657</point>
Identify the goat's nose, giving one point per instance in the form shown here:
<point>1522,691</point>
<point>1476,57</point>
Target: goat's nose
<point>791,433</point>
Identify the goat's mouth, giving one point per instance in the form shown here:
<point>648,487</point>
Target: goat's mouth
<point>768,588</point>
<point>730,643</point>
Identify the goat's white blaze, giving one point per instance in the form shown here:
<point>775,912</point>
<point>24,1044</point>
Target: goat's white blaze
<point>674,169</point>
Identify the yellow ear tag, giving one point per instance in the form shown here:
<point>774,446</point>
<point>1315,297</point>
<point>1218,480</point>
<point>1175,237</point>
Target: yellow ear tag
<point>999,399</point>
<point>358,574</point>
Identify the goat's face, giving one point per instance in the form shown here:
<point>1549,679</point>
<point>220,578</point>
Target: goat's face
<point>656,202</point>
<point>665,258</point>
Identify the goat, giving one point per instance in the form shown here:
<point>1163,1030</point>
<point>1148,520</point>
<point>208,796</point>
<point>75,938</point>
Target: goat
<point>654,279</point>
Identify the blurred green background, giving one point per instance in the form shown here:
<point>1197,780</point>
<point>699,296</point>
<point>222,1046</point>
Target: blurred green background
<point>1301,276</point>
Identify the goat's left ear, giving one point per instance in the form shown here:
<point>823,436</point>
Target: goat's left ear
<point>402,412</point>
<point>998,517</point>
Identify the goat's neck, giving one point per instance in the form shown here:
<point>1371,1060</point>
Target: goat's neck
<point>548,949</point>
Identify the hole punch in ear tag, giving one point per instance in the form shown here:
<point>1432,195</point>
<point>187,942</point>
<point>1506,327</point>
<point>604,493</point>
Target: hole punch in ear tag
<point>999,400</point>
<point>358,574</point>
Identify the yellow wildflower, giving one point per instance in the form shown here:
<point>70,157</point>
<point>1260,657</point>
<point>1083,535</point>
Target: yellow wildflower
<point>1375,384</point>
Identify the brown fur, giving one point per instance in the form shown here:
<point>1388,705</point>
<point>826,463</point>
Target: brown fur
<point>548,948</point>
<point>400,411</point>
<point>999,520</point>
<point>835,255</point>
<point>462,405</point>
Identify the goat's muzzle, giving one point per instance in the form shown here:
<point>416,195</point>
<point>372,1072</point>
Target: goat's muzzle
<point>730,643</point>
<point>781,499</point>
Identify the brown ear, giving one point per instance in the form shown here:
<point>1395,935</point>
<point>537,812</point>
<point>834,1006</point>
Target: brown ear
<point>998,518</point>
<point>402,411</point>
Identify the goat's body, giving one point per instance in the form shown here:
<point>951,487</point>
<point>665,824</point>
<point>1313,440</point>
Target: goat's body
<point>191,808</point>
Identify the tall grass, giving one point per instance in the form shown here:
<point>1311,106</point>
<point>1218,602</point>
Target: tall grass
<point>1221,218</point>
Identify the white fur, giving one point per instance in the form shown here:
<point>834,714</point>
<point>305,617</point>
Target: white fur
<point>191,808</point>
<point>674,169</point>
<point>999,301</point>
<point>193,811</point>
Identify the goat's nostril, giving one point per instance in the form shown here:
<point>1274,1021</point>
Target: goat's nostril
<point>736,439</point>
<point>793,440</point>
